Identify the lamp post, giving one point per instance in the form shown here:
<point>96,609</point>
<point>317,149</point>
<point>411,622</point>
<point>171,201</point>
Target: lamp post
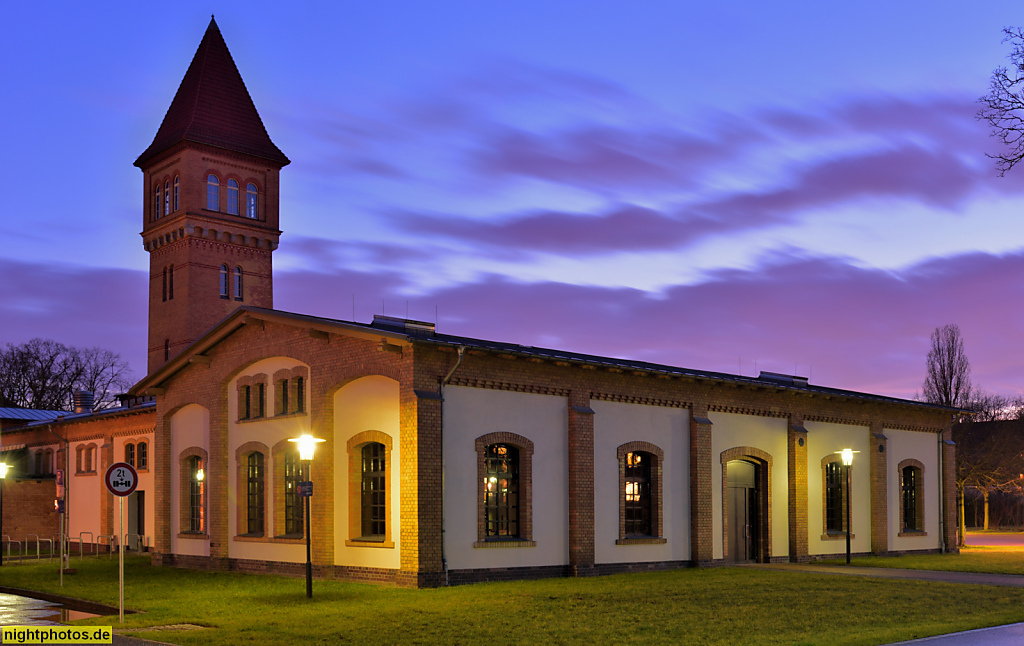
<point>307,445</point>
<point>848,462</point>
<point>3,476</point>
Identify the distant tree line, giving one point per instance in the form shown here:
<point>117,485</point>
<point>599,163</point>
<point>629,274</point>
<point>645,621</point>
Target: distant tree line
<point>43,374</point>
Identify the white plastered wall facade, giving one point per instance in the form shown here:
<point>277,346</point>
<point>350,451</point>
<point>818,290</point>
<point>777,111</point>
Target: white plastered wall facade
<point>84,488</point>
<point>769,434</point>
<point>469,413</point>
<point>366,404</point>
<point>823,440</point>
<point>923,447</point>
<point>667,428</point>
<point>190,426</point>
<point>267,430</point>
<point>146,481</point>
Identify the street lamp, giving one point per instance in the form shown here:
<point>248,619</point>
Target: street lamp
<point>848,462</point>
<point>3,476</point>
<point>307,445</point>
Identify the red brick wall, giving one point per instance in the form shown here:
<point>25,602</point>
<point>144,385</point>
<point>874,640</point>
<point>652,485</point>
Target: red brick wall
<point>28,509</point>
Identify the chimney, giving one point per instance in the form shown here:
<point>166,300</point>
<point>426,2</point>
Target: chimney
<point>83,401</point>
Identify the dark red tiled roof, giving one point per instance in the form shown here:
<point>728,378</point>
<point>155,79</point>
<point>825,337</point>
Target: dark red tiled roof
<point>213,107</point>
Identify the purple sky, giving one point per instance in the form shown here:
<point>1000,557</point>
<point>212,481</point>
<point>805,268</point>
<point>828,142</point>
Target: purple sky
<point>796,187</point>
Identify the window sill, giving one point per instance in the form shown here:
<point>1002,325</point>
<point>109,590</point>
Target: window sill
<point>289,540</point>
<point>912,533</point>
<point>86,473</point>
<point>194,536</point>
<point>502,543</point>
<point>142,470</point>
<point>641,540</point>
<point>300,413</point>
<point>836,536</point>
<point>370,542</point>
<point>249,420</point>
<point>251,537</point>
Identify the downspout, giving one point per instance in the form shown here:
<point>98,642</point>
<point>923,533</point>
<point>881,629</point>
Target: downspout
<point>67,486</point>
<point>440,391</point>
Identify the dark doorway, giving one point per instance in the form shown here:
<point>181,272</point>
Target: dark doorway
<point>742,507</point>
<point>135,520</point>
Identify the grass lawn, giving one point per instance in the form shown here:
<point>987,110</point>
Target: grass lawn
<point>991,560</point>
<point>722,605</point>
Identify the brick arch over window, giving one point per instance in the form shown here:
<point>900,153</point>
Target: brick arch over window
<point>241,485</point>
<point>184,482</point>
<point>252,396</point>
<point>918,494</point>
<point>763,460</point>
<point>355,446</point>
<point>291,386</point>
<point>525,447</point>
<point>657,521</point>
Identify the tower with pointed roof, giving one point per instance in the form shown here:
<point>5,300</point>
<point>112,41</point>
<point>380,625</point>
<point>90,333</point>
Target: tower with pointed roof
<point>211,206</point>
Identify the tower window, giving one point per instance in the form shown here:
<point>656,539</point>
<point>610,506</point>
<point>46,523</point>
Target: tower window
<point>223,281</point>
<point>167,349</point>
<point>232,197</point>
<point>212,193</point>
<point>165,284</point>
<point>156,201</point>
<point>251,201</point>
<point>170,283</point>
<point>238,283</point>
<point>176,182</point>
<point>167,198</point>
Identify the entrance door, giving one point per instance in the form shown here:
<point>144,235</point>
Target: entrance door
<point>135,520</point>
<point>741,507</point>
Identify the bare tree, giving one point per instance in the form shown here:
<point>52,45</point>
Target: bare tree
<point>948,377</point>
<point>44,374</point>
<point>1003,106</point>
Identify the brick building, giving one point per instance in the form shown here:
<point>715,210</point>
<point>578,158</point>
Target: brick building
<point>450,459</point>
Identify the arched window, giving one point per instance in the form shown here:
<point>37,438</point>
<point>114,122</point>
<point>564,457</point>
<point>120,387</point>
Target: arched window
<point>167,197</point>
<point>254,493</point>
<point>911,496</point>
<point>292,501</point>
<point>212,193</point>
<point>196,491</point>
<point>251,201</point>
<point>374,497</point>
<point>223,281</point>
<point>637,492</point>
<point>176,183</point>
<point>129,454</point>
<point>501,491</point>
<point>141,457</point>
<point>165,284</point>
<point>156,201</point>
<point>170,283</point>
<point>232,197</point>
<point>238,283</point>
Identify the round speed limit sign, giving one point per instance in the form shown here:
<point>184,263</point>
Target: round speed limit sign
<point>121,479</point>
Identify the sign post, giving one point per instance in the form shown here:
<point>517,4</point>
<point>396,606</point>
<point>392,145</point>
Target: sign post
<point>121,480</point>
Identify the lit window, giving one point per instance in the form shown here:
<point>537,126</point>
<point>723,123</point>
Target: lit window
<point>254,493</point>
<point>232,197</point>
<point>292,501</point>
<point>223,281</point>
<point>238,283</point>
<point>167,197</point>
<point>197,487</point>
<point>212,193</point>
<point>374,495</point>
<point>637,493</point>
<point>251,201</point>
<point>176,182</point>
<point>141,457</point>
<point>501,491</point>
<point>129,454</point>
